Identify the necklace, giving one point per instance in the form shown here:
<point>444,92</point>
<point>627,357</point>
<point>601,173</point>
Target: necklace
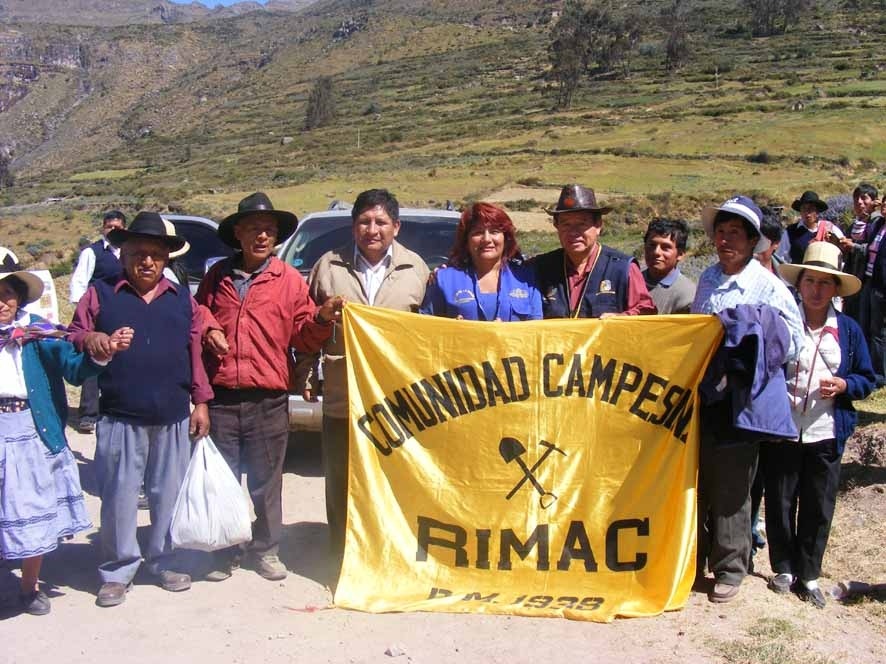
<point>825,329</point>
<point>573,313</point>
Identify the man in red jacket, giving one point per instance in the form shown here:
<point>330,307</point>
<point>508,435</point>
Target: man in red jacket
<point>263,307</point>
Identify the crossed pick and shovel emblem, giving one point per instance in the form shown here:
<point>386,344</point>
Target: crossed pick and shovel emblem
<point>512,449</point>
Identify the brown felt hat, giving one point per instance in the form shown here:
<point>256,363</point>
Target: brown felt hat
<point>575,198</point>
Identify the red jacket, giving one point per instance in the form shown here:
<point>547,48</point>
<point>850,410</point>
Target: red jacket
<point>276,313</point>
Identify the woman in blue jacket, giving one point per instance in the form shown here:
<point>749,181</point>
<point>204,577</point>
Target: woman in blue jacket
<point>40,496</point>
<point>482,283</point>
<point>801,477</point>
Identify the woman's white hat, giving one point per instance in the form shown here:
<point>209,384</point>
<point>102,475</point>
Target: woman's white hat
<point>822,257</point>
<point>32,282</point>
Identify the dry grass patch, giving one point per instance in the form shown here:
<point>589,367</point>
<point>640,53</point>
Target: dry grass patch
<point>769,641</point>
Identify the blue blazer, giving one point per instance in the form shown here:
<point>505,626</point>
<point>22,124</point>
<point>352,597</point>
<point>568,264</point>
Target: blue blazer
<point>453,293</point>
<point>47,363</point>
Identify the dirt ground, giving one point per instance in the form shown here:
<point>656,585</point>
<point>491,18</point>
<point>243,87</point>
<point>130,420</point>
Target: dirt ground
<point>247,619</point>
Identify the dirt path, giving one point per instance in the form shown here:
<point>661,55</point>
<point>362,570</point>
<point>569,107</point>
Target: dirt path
<point>247,619</point>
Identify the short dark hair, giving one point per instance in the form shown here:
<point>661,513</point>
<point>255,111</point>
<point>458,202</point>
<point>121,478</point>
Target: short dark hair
<point>373,197</point>
<point>864,188</point>
<point>20,288</point>
<point>676,229</point>
<point>114,214</point>
<point>770,225</point>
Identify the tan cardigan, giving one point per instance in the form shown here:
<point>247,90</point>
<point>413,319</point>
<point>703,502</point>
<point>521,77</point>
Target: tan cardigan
<point>403,289</point>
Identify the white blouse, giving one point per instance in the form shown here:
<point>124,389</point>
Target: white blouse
<point>819,358</point>
<point>12,378</point>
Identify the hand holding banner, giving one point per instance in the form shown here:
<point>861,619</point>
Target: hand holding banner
<point>538,468</point>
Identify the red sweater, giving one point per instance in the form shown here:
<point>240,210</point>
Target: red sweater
<point>276,313</point>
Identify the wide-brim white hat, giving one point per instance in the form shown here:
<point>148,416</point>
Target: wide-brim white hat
<point>32,282</point>
<point>822,257</point>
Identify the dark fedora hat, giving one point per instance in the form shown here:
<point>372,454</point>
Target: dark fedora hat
<point>146,225</point>
<point>809,197</point>
<point>575,198</point>
<point>257,203</point>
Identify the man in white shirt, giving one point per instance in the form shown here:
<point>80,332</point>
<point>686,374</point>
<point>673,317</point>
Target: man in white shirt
<point>98,261</point>
<point>373,269</point>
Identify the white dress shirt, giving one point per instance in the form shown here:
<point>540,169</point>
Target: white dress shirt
<point>372,275</point>
<point>83,272</point>
<point>12,377</point>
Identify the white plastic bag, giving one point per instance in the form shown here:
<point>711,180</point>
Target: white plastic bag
<point>211,511</point>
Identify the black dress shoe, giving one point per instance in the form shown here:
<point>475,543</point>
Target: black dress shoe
<point>815,597</point>
<point>35,603</point>
<point>112,594</point>
<point>174,582</point>
<point>781,583</point>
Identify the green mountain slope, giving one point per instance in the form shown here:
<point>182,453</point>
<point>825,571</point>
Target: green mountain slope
<point>444,100</point>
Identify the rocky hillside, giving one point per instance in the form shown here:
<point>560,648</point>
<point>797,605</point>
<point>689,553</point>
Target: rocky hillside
<point>448,99</point>
<point>127,12</point>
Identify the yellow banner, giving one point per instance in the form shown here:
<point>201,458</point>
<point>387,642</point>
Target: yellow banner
<point>542,468</point>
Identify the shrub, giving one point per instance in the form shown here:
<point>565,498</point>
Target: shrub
<point>532,181</point>
<point>761,157</point>
<point>523,205</point>
<point>839,209</point>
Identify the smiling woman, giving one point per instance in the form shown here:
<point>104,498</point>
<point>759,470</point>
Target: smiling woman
<point>483,284</point>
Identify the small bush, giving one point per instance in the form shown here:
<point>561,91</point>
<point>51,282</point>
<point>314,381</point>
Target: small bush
<point>839,209</point>
<point>720,66</point>
<point>650,49</point>
<point>761,157</point>
<point>531,181</point>
<point>523,205</point>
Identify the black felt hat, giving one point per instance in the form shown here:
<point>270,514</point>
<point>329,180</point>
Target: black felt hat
<point>257,203</point>
<point>809,197</point>
<point>146,225</point>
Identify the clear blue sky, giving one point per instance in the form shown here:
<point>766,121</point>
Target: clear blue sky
<point>215,3</point>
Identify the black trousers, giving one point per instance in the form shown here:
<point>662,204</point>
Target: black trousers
<point>801,491</point>
<point>725,476</point>
<point>251,430</point>
<point>89,399</point>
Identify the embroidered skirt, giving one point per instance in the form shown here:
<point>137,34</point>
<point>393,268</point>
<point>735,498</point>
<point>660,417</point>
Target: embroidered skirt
<point>40,496</point>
